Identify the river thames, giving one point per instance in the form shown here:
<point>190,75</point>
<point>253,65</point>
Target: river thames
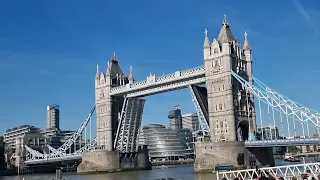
<point>178,173</point>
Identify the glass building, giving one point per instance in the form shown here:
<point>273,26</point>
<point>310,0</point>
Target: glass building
<point>175,118</point>
<point>164,144</point>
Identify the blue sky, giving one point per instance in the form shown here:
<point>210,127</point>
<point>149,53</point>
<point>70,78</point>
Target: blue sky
<point>49,50</point>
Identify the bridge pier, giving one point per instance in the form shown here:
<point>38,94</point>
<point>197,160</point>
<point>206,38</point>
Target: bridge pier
<point>110,161</point>
<point>210,155</point>
<point>262,156</point>
<point>225,153</point>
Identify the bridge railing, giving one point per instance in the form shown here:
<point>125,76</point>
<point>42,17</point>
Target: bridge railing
<point>287,172</point>
<point>280,142</point>
<point>153,80</point>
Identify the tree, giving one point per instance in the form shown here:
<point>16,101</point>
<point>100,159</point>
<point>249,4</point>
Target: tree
<point>2,160</point>
<point>293,149</point>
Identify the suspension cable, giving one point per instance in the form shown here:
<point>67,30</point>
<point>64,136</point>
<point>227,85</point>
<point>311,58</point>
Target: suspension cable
<point>294,126</point>
<point>80,138</point>
<point>85,136</point>
<point>281,120</point>
<point>269,117</point>
<point>302,124</point>
<point>90,130</point>
<point>288,121</point>
<point>261,124</point>
<point>274,124</point>
<point>249,120</point>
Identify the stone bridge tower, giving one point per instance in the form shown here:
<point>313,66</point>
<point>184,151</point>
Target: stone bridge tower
<point>108,107</point>
<point>232,117</point>
<point>231,108</point>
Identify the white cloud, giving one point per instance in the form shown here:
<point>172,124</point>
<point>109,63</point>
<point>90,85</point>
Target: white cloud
<point>305,15</point>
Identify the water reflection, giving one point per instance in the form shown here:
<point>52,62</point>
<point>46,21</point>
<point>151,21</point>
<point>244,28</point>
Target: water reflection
<point>177,172</point>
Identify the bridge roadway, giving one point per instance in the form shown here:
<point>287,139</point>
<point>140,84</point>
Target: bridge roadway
<point>259,143</point>
<point>155,85</point>
<point>283,142</point>
<point>53,160</point>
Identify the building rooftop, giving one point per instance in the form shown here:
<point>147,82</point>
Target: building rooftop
<point>189,114</point>
<point>153,126</point>
<point>21,127</point>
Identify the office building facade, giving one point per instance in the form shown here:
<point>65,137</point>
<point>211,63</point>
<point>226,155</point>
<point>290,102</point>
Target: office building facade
<point>175,118</point>
<point>190,121</point>
<point>11,135</point>
<point>267,133</point>
<point>53,117</point>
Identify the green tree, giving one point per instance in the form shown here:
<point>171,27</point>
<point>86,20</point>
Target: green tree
<point>293,149</point>
<point>2,160</point>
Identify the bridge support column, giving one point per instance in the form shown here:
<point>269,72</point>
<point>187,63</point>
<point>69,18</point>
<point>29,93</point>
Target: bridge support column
<point>99,161</point>
<point>262,156</point>
<point>110,161</point>
<point>209,155</point>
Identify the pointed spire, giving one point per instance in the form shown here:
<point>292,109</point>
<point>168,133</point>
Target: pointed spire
<point>246,45</point>
<point>225,34</point>
<point>97,73</point>
<point>131,77</point>
<point>206,40</point>
<point>108,68</point>
<point>225,21</point>
<point>114,57</point>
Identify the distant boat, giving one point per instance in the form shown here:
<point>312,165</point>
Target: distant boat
<point>164,167</point>
<point>291,158</point>
<point>165,179</point>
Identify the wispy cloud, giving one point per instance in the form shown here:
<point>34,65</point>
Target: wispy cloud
<point>306,15</point>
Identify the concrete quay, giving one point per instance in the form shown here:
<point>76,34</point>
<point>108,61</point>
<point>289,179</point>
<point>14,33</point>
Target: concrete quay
<point>102,161</point>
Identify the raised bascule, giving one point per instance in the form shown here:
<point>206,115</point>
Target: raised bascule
<point>229,108</point>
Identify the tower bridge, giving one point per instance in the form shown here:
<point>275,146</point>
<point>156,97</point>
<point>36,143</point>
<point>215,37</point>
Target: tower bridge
<point>229,109</point>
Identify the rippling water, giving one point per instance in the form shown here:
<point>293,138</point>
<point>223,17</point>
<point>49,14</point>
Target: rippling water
<point>177,172</point>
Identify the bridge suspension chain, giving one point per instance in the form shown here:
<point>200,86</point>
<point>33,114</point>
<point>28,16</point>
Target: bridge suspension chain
<point>61,151</point>
<point>276,102</point>
<point>306,114</point>
<point>77,134</point>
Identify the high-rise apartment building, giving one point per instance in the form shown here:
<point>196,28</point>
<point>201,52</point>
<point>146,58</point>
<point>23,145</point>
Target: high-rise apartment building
<point>53,117</point>
<point>175,118</point>
<point>190,121</point>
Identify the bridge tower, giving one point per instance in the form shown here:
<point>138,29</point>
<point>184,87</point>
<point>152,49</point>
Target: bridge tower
<point>231,111</point>
<point>107,106</point>
<point>118,123</point>
<point>231,108</point>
